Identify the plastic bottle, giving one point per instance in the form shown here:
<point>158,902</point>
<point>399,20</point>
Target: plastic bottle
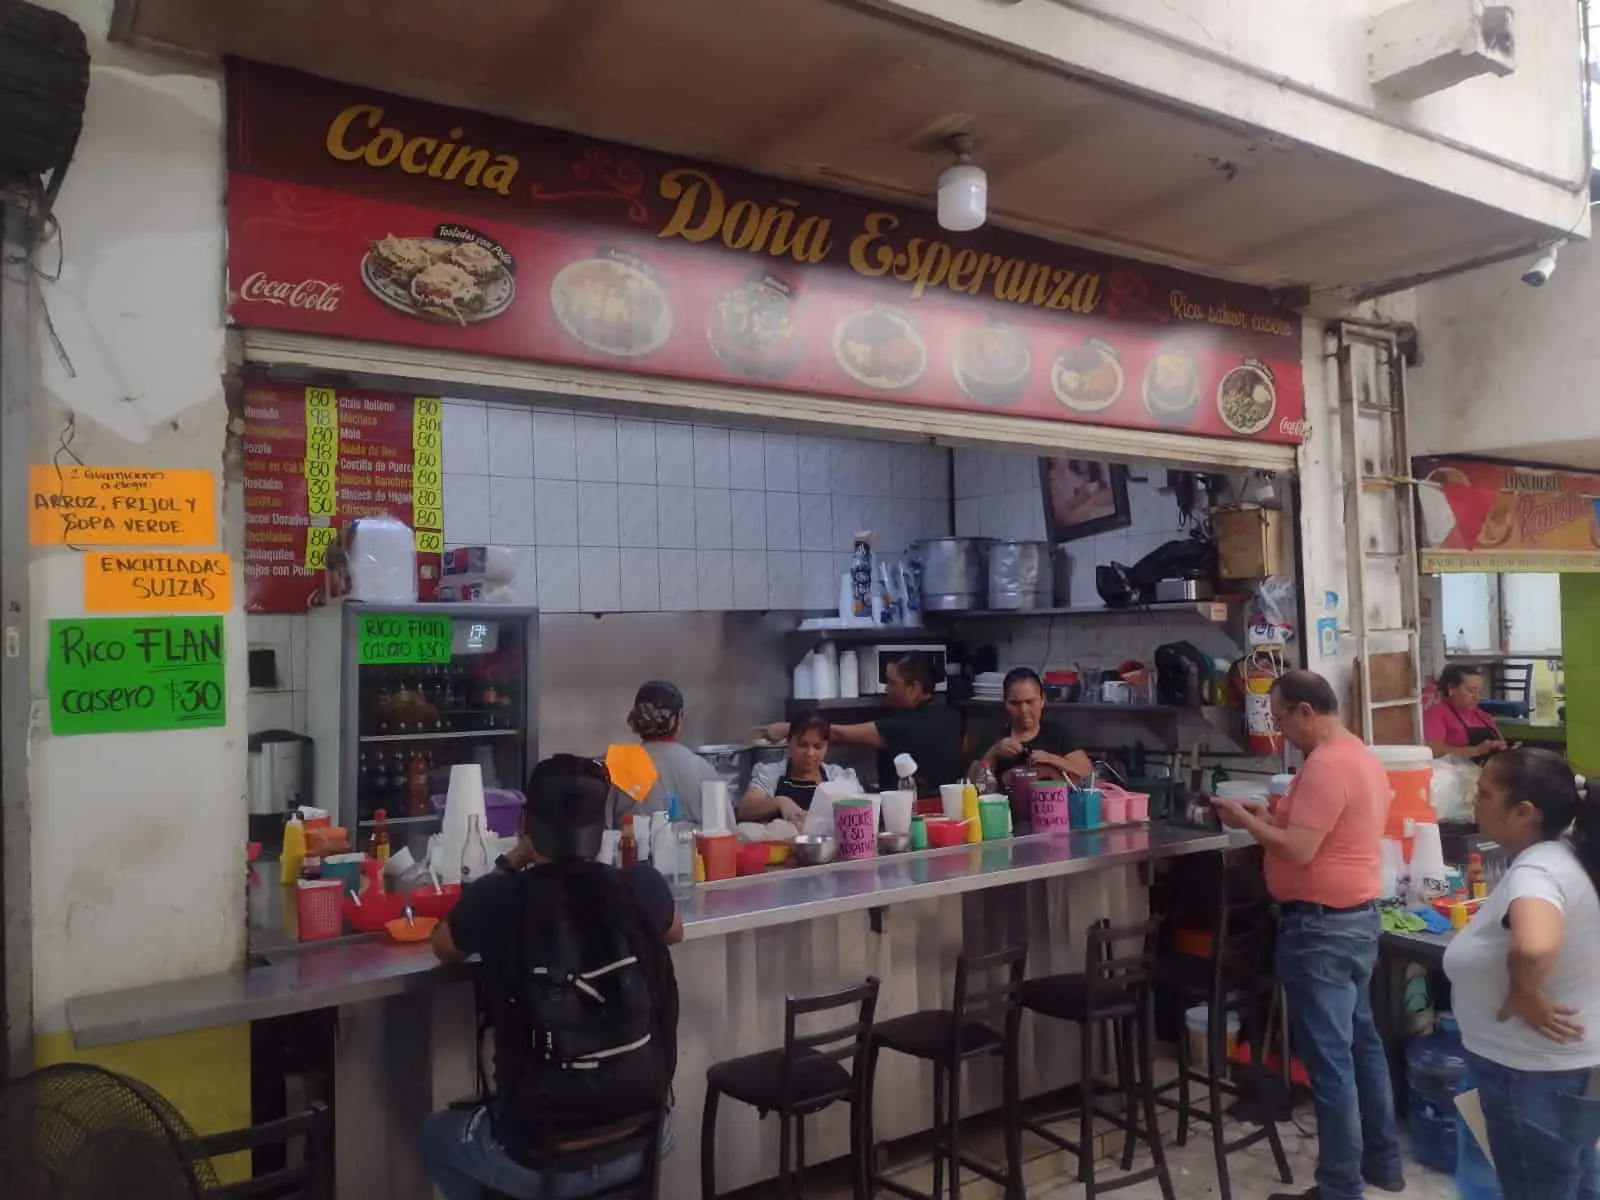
<point>1477,882</point>
<point>294,849</point>
<point>629,843</point>
<point>1429,877</point>
<point>474,852</point>
<point>378,848</point>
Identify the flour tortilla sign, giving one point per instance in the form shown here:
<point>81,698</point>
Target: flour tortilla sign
<point>136,674</point>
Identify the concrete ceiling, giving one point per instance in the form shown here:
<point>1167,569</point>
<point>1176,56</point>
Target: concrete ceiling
<point>825,92</point>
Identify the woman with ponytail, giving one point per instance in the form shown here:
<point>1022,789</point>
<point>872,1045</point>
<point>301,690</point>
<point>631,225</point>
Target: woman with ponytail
<point>1525,975</point>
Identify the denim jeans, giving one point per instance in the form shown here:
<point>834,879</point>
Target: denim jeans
<point>1542,1132</point>
<point>1325,963</point>
<point>461,1154</point>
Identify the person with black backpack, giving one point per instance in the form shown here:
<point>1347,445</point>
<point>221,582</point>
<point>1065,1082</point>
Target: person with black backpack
<point>580,995</point>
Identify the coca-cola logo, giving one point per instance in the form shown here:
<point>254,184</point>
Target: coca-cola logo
<point>314,295</point>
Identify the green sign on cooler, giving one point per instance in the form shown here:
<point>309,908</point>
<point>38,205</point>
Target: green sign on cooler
<point>136,674</point>
<point>401,639</point>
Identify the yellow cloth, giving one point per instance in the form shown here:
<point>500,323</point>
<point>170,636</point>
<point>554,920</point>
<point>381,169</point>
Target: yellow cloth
<point>632,769</point>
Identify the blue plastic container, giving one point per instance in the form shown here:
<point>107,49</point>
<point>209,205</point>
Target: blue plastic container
<point>1083,808</point>
<point>1435,1068</point>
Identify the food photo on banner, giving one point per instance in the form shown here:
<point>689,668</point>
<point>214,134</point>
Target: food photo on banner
<point>356,214</point>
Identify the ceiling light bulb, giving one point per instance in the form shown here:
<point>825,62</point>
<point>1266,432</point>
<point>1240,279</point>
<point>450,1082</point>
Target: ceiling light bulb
<point>963,198</point>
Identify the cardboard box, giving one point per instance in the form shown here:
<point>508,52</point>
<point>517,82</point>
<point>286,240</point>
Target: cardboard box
<point>1249,540</point>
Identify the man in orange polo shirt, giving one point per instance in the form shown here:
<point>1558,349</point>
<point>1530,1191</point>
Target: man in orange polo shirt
<point>1322,867</point>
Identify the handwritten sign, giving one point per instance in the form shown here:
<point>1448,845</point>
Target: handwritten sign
<point>135,674</point>
<point>120,506</point>
<point>142,582</point>
<point>396,638</point>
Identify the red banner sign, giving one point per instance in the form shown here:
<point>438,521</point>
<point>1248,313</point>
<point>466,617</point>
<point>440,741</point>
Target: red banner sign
<point>362,215</point>
<point>315,459</point>
<point>1478,516</point>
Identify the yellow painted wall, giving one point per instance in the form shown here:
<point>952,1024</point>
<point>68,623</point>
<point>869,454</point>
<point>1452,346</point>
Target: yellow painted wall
<point>205,1075</point>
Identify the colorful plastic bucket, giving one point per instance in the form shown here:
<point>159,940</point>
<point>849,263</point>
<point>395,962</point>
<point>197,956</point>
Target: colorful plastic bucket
<point>855,829</point>
<point>1050,809</point>
<point>1083,808</point>
<point>994,818</point>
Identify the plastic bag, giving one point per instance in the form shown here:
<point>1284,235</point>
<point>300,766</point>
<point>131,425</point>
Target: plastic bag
<point>1270,612</point>
<point>1455,784</point>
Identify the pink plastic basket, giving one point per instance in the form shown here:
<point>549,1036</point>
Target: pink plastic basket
<point>318,904</point>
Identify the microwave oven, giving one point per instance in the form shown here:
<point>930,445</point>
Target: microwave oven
<point>874,663</point>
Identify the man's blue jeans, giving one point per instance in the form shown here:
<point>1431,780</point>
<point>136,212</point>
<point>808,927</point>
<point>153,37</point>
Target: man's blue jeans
<point>1541,1129</point>
<point>461,1154</point>
<point>1325,962</point>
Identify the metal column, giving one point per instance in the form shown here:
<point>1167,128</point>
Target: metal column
<point>16,376</point>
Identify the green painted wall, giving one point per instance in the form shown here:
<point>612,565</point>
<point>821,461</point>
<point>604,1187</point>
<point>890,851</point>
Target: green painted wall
<point>1580,653</point>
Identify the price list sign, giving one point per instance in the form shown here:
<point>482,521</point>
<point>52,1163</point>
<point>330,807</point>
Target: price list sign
<point>136,674</point>
<point>427,464</point>
<point>317,458</point>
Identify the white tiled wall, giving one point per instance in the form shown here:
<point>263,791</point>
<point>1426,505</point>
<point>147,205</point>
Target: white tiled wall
<point>610,514</point>
<point>999,494</point>
<point>283,707</point>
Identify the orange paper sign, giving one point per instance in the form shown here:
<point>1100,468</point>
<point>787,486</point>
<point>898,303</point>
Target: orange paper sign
<point>144,582</point>
<point>121,506</point>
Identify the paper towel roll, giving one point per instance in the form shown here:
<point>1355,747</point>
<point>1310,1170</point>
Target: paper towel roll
<point>716,810</point>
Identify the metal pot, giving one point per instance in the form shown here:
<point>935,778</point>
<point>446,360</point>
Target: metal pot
<point>952,572</point>
<point>1019,576</point>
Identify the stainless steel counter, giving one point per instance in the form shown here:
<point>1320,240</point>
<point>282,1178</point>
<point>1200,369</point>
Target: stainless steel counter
<point>358,970</point>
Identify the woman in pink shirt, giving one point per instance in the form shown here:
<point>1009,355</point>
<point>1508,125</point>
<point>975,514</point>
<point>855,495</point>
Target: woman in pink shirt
<point>1455,724</point>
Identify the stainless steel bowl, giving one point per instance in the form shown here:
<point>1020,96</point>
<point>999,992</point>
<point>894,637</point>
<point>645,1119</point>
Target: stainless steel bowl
<point>893,843</point>
<point>814,849</point>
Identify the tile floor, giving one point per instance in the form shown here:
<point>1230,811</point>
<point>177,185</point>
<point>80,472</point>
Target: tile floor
<point>1051,1175</point>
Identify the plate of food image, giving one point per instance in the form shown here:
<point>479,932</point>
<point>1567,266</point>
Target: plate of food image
<point>880,349</point>
<point>752,329</point>
<point>1498,524</point>
<point>992,363</point>
<point>1171,388</point>
<point>438,279</point>
<point>1087,378</point>
<point>1246,399</point>
<point>613,304</point>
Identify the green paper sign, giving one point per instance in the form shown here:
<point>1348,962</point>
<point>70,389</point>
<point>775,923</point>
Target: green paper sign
<point>397,638</point>
<point>133,674</point>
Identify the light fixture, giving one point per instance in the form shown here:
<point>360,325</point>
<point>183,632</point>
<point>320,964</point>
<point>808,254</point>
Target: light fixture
<point>1537,275</point>
<point>963,189</point>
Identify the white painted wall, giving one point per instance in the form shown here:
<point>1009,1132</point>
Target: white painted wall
<point>1299,69</point>
<point>1509,370</point>
<point>137,838</point>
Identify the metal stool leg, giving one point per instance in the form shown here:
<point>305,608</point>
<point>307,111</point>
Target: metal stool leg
<point>1126,1068</point>
<point>941,1133</point>
<point>1216,1063</point>
<point>1147,1070</point>
<point>1086,1117</point>
<point>1183,1084</point>
<point>785,1158</point>
<point>1011,1088</point>
<point>708,1145</point>
<point>954,1126</point>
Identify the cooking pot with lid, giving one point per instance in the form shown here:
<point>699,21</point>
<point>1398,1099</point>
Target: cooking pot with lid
<point>953,573</point>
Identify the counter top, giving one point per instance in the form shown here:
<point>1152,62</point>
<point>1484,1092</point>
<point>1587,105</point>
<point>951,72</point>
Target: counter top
<point>354,971</point>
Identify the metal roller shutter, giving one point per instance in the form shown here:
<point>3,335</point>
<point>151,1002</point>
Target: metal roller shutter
<point>435,372</point>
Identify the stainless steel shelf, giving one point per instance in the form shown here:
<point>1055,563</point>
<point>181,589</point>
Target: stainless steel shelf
<point>443,735</point>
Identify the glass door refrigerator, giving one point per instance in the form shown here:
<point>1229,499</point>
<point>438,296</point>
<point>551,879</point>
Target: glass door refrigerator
<point>401,693</point>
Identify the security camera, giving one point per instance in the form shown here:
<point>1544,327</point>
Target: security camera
<point>1545,266</point>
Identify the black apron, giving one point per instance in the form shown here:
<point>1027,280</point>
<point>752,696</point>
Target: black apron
<point>798,790</point>
<point>1477,735</point>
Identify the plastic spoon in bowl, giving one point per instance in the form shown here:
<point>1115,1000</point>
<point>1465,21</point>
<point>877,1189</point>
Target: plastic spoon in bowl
<point>410,916</point>
<point>438,888</point>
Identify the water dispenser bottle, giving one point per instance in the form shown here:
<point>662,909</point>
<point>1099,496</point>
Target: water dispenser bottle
<point>1435,1067</point>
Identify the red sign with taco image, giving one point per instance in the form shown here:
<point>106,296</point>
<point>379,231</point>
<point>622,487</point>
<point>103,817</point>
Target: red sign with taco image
<point>360,215</point>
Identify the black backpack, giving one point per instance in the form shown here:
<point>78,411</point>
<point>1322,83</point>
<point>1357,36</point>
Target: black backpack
<point>586,1017</point>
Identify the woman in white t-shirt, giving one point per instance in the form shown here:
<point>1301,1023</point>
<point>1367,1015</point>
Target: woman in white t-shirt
<point>1525,976</point>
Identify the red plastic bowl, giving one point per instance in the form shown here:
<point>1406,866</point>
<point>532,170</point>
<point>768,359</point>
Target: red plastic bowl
<point>426,902</point>
<point>942,831</point>
<point>752,858</point>
<point>374,911</point>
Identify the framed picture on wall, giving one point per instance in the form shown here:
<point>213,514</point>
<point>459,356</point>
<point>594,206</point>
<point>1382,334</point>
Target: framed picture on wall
<point>1083,497</point>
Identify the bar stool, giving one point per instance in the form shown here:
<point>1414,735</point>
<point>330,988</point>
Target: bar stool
<point>799,1080</point>
<point>1115,990</point>
<point>1238,977</point>
<point>987,985</point>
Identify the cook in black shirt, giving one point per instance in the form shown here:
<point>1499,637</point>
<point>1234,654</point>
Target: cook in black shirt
<point>922,726</point>
<point>1025,738</point>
